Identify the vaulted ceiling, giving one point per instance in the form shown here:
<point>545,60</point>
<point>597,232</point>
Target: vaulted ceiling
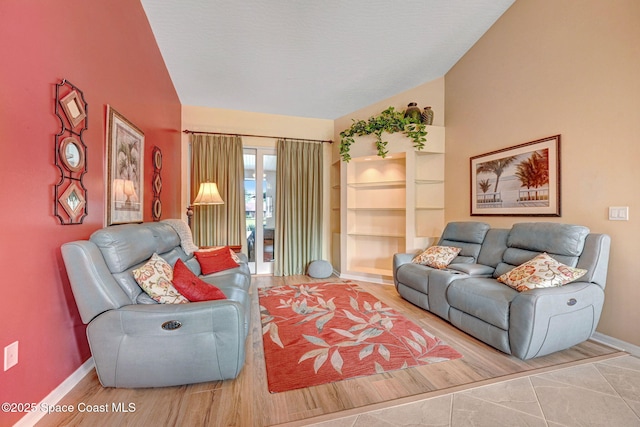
<point>319,59</point>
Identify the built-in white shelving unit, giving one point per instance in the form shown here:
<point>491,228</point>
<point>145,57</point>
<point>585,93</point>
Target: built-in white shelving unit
<point>335,196</point>
<point>389,205</point>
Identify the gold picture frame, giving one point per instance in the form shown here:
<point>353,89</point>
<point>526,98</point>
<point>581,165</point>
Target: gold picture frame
<point>125,170</point>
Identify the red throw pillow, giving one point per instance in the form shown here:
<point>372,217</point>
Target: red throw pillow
<point>215,260</point>
<point>192,287</point>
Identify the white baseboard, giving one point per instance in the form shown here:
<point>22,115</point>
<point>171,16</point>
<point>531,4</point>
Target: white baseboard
<point>616,343</point>
<point>57,394</point>
<point>369,279</point>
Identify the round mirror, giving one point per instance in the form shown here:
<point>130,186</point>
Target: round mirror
<point>71,154</point>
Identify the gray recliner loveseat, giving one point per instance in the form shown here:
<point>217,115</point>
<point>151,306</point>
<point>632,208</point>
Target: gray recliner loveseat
<point>136,342</point>
<point>525,324</point>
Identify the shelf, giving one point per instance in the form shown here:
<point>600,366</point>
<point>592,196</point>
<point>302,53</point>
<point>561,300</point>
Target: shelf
<point>385,235</point>
<point>373,184</point>
<point>377,209</point>
<point>391,205</point>
<point>429,181</point>
<point>427,152</point>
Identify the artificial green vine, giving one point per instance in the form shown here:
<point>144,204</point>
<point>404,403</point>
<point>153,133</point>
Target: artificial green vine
<point>390,121</point>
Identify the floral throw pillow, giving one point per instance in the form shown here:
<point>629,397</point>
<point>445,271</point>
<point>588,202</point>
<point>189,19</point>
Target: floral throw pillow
<point>541,272</point>
<point>437,256</point>
<point>155,278</point>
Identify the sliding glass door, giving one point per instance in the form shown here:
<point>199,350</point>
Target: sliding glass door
<point>260,193</point>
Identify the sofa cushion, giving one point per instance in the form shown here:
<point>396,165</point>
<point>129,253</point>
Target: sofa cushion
<point>483,298</point>
<point>124,246</point>
<point>155,277</point>
<point>564,242</point>
<point>554,238</point>
<point>437,256</point>
<point>541,272</point>
<point>212,261</point>
<point>493,247</point>
<point>192,287</point>
<point>470,232</point>
<point>468,236</point>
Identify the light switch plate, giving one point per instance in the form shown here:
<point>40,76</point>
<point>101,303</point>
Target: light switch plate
<point>619,213</point>
<point>10,355</point>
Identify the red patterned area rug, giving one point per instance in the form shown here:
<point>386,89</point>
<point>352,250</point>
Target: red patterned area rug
<point>317,333</point>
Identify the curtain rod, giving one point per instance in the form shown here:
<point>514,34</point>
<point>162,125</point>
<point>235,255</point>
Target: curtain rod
<point>255,136</point>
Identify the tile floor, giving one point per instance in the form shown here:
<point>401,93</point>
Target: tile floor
<point>603,393</point>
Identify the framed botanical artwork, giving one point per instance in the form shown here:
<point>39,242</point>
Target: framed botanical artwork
<point>125,170</point>
<point>523,180</point>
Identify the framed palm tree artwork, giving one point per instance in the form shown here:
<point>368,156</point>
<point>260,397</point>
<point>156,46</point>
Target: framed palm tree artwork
<point>523,180</point>
<point>125,170</point>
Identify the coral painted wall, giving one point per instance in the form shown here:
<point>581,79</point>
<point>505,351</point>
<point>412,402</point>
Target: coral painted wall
<point>107,49</point>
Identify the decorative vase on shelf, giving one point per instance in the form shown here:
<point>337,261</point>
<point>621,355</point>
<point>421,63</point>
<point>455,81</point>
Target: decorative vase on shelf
<point>413,111</point>
<point>427,116</point>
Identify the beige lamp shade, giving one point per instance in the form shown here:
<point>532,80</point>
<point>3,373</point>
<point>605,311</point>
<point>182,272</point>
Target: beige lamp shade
<point>124,190</point>
<point>208,195</point>
<point>118,190</point>
<point>130,190</point>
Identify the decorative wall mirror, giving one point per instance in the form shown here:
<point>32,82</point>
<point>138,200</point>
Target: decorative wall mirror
<point>72,154</point>
<point>73,202</point>
<point>74,108</point>
<point>156,206</point>
<point>70,158</point>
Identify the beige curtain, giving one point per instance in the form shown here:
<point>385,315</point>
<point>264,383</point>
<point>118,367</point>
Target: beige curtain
<point>218,158</point>
<point>298,206</point>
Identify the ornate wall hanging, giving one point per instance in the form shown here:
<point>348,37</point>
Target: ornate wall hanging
<point>156,206</point>
<point>70,154</point>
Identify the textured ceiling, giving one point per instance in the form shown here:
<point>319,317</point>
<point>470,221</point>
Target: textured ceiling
<point>320,59</point>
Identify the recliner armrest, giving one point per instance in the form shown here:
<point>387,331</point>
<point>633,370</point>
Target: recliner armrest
<point>209,345</point>
<point>398,260</point>
<point>478,270</point>
<point>545,320</point>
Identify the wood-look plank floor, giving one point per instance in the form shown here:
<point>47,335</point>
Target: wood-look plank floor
<point>246,401</point>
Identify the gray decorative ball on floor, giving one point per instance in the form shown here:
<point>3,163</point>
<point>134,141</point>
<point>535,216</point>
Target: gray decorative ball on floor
<point>320,269</point>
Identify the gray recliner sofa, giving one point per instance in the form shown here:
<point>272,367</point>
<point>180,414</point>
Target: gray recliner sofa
<point>136,342</point>
<point>525,324</point>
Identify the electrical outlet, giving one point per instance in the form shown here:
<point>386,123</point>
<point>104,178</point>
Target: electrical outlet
<point>10,355</point>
